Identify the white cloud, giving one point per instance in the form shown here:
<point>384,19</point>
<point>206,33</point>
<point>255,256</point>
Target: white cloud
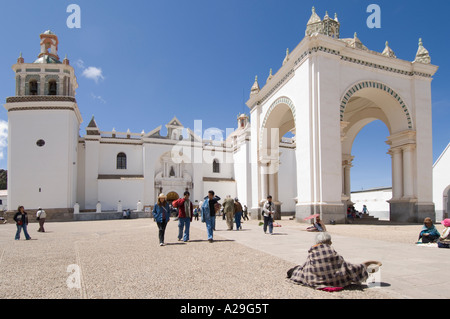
<point>3,138</point>
<point>93,73</point>
<point>90,72</point>
<point>80,64</point>
<point>98,97</point>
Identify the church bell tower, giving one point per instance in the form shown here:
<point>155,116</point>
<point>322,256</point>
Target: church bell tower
<point>43,130</point>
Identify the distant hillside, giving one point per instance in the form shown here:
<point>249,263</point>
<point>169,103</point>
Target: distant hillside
<point>3,179</point>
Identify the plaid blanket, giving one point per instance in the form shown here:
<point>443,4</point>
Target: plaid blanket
<point>324,267</point>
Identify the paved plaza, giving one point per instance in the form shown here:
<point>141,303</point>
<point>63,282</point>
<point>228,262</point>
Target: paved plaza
<point>123,259</point>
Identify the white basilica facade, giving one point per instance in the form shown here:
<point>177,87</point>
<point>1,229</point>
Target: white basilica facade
<point>326,90</point>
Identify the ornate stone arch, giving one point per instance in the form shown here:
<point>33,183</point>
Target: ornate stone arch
<point>280,100</point>
<point>375,85</point>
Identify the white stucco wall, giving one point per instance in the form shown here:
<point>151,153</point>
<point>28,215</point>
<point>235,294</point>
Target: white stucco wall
<point>242,174</point>
<point>108,156</point>
<point>128,191</point>
<point>375,200</point>
<point>42,176</point>
<point>287,186</point>
<point>441,182</point>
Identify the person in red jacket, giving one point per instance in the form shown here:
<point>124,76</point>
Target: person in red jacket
<point>185,213</point>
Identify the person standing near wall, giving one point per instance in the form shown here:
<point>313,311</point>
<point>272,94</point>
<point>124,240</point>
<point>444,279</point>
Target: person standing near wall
<point>209,213</point>
<point>161,213</point>
<point>228,210</point>
<point>21,219</point>
<point>237,213</point>
<point>268,213</point>
<point>40,216</point>
<point>245,212</point>
<point>185,213</point>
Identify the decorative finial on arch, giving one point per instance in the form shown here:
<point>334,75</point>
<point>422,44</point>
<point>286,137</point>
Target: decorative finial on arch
<point>422,55</point>
<point>255,88</point>
<point>287,56</point>
<point>388,51</point>
<point>270,76</point>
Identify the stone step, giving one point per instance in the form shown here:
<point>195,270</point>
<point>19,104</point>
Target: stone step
<point>365,219</point>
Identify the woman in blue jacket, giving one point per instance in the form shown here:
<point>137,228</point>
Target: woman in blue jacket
<point>161,213</point>
<point>429,233</point>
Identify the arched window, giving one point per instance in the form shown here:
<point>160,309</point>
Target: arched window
<point>33,87</point>
<point>216,166</point>
<point>121,161</point>
<point>52,87</point>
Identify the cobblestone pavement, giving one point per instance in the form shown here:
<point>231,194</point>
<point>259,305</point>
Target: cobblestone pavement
<point>123,259</point>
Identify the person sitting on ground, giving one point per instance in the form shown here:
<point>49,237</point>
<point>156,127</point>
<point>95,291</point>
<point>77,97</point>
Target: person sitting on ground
<point>318,226</point>
<point>349,213</point>
<point>444,240</point>
<point>326,269</point>
<point>429,233</point>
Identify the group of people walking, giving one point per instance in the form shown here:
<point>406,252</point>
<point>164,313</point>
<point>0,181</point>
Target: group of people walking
<point>207,208</point>
<point>161,214</point>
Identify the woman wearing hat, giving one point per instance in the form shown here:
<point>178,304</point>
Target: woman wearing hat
<point>444,240</point>
<point>161,213</point>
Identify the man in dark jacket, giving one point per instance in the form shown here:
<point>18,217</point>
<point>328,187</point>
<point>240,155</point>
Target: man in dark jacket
<point>185,213</point>
<point>21,219</point>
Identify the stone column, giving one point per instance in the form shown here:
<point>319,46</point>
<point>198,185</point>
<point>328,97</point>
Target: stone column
<point>264,185</point>
<point>272,185</point>
<point>397,173</point>
<point>408,171</point>
<point>346,180</point>
<point>265,179</point>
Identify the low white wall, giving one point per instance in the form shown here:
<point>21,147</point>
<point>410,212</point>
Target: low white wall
<point>375,200</point>
<point>441,182</point>
<point>128,191</point>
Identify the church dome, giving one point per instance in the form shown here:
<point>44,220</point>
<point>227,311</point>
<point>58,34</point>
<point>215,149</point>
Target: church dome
<point>47,59</point>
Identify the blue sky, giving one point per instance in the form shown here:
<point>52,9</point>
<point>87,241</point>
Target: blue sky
<point>139,63</point>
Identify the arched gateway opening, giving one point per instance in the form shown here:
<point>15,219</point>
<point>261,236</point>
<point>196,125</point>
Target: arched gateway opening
<point>277,141</point>
<point>339,86</point>
<point>362,104</point>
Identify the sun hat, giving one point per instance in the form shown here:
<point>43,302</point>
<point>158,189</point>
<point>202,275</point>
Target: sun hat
<point>446,222</point>
<point>162,195</point>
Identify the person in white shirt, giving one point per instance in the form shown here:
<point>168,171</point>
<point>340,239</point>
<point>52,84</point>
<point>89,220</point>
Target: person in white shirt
<point>268,213</point>
<point>40,216</point>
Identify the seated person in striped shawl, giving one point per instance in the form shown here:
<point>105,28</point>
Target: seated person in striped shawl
<point>326,269</point>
